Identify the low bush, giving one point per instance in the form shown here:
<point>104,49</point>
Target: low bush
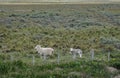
<point>115,62</point>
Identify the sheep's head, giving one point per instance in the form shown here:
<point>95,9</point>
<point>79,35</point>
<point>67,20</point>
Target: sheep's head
<point>71,49</point>
<point>37,47</point>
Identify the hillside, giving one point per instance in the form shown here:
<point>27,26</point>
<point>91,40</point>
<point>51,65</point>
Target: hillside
<point>84,26</point>
<point>55,0</point>
<point>59,26</point>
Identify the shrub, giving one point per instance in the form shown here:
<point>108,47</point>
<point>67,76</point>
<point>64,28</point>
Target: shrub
<point>4,67</point>
<point>115,62</point>
<point>19,64</point>
<point>115,55</point>
<point>110,40</point>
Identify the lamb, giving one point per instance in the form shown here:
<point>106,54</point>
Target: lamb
<point>44,51</point>
<point>74,52</point>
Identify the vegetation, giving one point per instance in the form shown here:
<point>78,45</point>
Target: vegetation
<point>61,27</point>
<point>18,69</point>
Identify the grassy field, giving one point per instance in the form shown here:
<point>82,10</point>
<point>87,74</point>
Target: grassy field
<point>84,26</point>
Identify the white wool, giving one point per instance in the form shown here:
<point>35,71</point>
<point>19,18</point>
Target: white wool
<point>44,51</point>
<point>76,52</point>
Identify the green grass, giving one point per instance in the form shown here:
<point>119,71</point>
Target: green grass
<point>22,66</point>
<point>18,69</point>
<point>60,27</point>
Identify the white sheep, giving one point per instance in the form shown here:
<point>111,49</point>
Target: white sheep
<point>75,52</point>
<point>44,51</point>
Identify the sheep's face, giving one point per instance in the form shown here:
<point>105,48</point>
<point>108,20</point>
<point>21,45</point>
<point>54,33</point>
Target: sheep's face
<point>71,49</point>
<point>37,47</point>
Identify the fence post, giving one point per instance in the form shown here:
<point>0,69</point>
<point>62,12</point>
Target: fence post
<point>44,58</point>
<point>11,57</point>
<point>92,54</point>
<point>58,59</point>
<point>74,56</point>
<point>108,56</point>
<point>33,60</point>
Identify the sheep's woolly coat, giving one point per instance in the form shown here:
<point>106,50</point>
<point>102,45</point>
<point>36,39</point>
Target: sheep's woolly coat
<point>76,51</point>
<point>44,51</point>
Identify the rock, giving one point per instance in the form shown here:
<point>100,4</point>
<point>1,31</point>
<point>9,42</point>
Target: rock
<point>112,69</point>
<point>118,76</point>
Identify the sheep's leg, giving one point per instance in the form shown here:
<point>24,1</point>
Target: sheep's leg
<point>80,54</point>
<point>40,55</point>
<point>44,57</point>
